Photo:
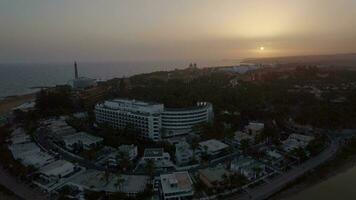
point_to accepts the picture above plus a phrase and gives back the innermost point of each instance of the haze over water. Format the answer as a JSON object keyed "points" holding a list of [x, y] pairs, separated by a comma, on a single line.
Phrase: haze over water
{"points": [[18, 78]]}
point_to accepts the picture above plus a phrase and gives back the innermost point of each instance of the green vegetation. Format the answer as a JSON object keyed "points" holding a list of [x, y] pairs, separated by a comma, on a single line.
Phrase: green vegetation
{"points": [[267, 99], [54, 102]]}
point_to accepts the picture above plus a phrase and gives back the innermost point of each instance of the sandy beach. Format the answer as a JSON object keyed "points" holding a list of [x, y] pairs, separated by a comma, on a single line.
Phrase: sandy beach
{"points": [[10, 102], [315, 177]]}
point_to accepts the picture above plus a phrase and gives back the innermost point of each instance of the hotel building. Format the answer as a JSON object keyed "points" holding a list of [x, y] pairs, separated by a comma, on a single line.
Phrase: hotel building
{"points": [[152, 120]]}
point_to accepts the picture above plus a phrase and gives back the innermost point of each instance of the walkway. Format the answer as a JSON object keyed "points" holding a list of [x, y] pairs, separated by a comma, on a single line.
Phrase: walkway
{"points": [[275, 185], [20, 189]]}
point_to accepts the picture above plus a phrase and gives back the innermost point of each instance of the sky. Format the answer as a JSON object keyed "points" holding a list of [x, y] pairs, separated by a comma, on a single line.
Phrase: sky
{"points": [[156, 30]]}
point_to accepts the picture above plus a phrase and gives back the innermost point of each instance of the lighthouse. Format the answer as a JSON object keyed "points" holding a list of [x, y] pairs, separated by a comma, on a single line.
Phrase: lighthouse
{"points": [[75, 70]]}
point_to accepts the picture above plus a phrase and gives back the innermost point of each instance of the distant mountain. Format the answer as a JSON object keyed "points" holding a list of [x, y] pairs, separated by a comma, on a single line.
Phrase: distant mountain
{"points": [[328, 60]]}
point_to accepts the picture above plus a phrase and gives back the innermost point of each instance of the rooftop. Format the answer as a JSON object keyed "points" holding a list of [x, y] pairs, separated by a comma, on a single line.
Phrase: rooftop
{"points": [[239, 135], [57, 168], [182, 147], [19, 150], [95, 180], [153, 152], [116, 103], [213, 145], [305, 138], [83, 137], [255, 126], [214, 174], [176, 182], [199, 105], [37, 159], [19, 136], [127, 147]]}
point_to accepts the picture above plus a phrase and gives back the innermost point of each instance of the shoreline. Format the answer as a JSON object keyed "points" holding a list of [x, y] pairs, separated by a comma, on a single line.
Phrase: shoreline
{"points": [[8, 103], [315, 177]]}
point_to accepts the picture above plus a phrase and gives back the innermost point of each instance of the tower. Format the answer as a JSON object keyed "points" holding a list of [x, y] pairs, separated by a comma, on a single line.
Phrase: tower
{"points": [[75, 70]]}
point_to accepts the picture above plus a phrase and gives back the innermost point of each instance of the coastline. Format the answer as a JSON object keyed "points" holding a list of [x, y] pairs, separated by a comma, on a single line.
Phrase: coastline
{"points": [[322, 173], [10, 102]]}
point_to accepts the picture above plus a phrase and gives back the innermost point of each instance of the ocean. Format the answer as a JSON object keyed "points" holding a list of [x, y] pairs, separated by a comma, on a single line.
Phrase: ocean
{"points": [[20, 78]]}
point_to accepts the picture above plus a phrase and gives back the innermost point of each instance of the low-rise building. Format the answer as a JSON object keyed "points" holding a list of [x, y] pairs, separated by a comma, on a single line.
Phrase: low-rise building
{"points": [[57, 170], [155, 154], [177, 185], [212, 147], [130, 150], [240, 136], [55, 174], [213, 177], [30, 155], [20, 151], [254, 128], [296, 141], [81, 140], [95, 180], [184, 153], [18, 136], [37, 160], [274, 157], [248, 167]]}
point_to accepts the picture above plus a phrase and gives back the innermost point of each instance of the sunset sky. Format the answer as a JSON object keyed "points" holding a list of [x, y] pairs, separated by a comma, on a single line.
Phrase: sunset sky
{"points": [[114, 30]]}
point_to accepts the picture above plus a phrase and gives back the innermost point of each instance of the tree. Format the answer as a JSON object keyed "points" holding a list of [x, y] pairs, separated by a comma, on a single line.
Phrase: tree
{"points": [[55, 101], [150, 167], [119, 181], [194, 145], [244, 144], [125, 161], [237, 180], [106, 176]]}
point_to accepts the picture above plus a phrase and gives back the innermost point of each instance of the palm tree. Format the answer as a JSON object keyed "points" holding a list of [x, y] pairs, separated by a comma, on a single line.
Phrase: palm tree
{"points": [[194, 146], [150, 167], [119, 181], [106, 176]]}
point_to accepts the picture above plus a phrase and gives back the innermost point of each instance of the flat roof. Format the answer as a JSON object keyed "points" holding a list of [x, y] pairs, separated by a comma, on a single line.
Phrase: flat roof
{"points": [[56, 168], [255, 126], [19, 136], [94, 180], [214, 174], [37, 159], [239, 135], [176, 182], [213, 145], [306, 138], [83, 137], [25, 148], [200, 105], [153, 152], [127, 147], [129, 102]]}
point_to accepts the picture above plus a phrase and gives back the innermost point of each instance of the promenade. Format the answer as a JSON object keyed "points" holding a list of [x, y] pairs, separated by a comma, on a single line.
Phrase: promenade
{"points": [[278, 183]]}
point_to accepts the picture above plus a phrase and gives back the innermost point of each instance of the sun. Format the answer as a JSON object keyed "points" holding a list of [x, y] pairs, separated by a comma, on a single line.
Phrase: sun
{"points": [[262, 48]]}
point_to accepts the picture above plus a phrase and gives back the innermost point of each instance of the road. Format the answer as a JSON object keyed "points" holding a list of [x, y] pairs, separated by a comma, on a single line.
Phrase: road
{"points": [[278, 183], [47, 145], [19, 188]]}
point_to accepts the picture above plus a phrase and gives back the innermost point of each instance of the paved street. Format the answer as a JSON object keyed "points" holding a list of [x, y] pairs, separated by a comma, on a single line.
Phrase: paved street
{"points": [[275, 185], [20, 189]]}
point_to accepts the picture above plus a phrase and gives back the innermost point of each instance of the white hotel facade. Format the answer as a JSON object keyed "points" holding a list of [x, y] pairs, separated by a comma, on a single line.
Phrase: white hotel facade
{"points": [[152, 120]]}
